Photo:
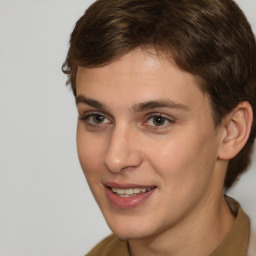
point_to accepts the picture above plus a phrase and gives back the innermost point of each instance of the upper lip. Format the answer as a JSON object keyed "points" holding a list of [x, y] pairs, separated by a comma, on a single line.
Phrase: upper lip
{"points": [[126, 185]]}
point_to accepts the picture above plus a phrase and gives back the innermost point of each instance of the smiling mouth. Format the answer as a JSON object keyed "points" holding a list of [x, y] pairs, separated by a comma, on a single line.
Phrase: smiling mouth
{"points": [[127, 196], [130, 192]]}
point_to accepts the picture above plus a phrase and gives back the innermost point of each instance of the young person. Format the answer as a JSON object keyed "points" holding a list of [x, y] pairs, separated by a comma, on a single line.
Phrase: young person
{"points": [[166, 97]]}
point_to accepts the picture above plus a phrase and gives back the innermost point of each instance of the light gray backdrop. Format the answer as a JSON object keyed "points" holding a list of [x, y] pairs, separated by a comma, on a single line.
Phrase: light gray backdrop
{"points": [[45, 205]]}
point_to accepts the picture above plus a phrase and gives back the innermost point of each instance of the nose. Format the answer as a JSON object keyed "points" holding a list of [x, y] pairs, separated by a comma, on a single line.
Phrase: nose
{"points": [[123, 151]]}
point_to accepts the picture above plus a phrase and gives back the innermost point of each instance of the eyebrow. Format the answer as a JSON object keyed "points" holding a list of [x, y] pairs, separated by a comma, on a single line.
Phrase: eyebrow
{"points": [[140, 107], [166, 103], [90, 102]]}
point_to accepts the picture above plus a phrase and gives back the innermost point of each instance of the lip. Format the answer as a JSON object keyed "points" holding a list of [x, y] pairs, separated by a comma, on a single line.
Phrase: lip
{"points": [[127, 202], [126, 185]]}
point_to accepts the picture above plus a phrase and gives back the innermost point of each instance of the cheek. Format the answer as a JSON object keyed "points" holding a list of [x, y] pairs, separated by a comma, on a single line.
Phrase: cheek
{"points": [[185, 172], [90, 152], [184, 158]]}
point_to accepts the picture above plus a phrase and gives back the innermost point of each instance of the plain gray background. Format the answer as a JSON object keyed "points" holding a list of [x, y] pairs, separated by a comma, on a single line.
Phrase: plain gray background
{"points": [[45, 205]]}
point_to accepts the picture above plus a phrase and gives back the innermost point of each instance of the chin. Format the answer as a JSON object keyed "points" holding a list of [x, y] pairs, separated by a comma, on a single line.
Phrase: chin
{"points": [[126, 230], [130, 235]]}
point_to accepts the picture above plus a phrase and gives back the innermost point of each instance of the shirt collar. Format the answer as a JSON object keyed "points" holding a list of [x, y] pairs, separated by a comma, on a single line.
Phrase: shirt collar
{"points": [[236, 241]]}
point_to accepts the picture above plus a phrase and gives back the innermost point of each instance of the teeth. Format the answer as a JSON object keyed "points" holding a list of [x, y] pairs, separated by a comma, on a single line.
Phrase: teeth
{"points": [[136, 190], [130, 191]]}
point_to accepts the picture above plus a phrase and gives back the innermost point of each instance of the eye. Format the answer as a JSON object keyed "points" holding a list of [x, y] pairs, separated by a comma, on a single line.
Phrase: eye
{"points": [[157, 120], [95, 119], [98, 119]]}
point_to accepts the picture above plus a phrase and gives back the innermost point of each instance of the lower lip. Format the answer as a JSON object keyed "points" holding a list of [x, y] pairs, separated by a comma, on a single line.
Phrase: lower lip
{"points": [[127, 202]]}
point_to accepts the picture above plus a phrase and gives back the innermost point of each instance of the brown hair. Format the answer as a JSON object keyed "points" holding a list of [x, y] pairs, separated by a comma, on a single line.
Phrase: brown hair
{"points": [[210, 39]]}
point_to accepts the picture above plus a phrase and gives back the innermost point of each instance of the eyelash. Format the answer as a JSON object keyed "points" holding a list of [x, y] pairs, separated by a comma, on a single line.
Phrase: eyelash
{"points": [[88, 122], [86, 118], [159, 115]]}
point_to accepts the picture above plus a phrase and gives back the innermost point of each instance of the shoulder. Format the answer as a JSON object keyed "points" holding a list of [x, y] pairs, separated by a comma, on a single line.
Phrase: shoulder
{"points": [[252, 243], [110, 246], [237, 240]]}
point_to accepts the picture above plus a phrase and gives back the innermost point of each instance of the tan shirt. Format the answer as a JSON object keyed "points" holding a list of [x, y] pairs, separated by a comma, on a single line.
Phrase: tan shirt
{"points": [[235, 243]]}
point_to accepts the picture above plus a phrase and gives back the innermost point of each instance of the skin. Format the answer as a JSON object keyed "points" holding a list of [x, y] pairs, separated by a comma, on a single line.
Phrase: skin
{"points": [[119, 141]]}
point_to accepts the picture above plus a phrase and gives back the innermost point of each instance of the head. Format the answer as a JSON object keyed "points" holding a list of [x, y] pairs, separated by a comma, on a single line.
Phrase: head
{"points": [[161, 87], [210, 39]]}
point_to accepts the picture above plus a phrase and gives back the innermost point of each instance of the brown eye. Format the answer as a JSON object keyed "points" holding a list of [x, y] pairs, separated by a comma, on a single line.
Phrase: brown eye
{"points": [[95, 119], [158, 120], [98, 119]]}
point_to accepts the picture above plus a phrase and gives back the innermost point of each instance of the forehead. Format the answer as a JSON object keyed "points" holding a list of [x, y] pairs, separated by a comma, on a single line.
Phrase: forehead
{"points": [[139, 76]]}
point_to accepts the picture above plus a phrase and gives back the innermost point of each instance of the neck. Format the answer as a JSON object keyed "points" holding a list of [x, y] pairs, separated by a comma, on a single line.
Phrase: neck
{"points": [[198, 235]]}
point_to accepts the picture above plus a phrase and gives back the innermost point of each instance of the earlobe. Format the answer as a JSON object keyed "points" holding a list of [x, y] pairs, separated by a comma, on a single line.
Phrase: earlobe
{"points": [[236, 131]]}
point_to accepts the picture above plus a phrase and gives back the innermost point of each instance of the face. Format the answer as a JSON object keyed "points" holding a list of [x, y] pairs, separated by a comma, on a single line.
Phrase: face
{"points": [[146, 143]]}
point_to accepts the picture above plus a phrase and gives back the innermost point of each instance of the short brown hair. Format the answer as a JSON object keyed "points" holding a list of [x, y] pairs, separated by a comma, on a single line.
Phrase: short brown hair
{"points": [[210, 39]]}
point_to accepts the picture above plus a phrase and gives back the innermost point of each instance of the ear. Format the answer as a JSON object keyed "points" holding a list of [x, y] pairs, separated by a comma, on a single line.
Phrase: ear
{"points": [[236, 130]]}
